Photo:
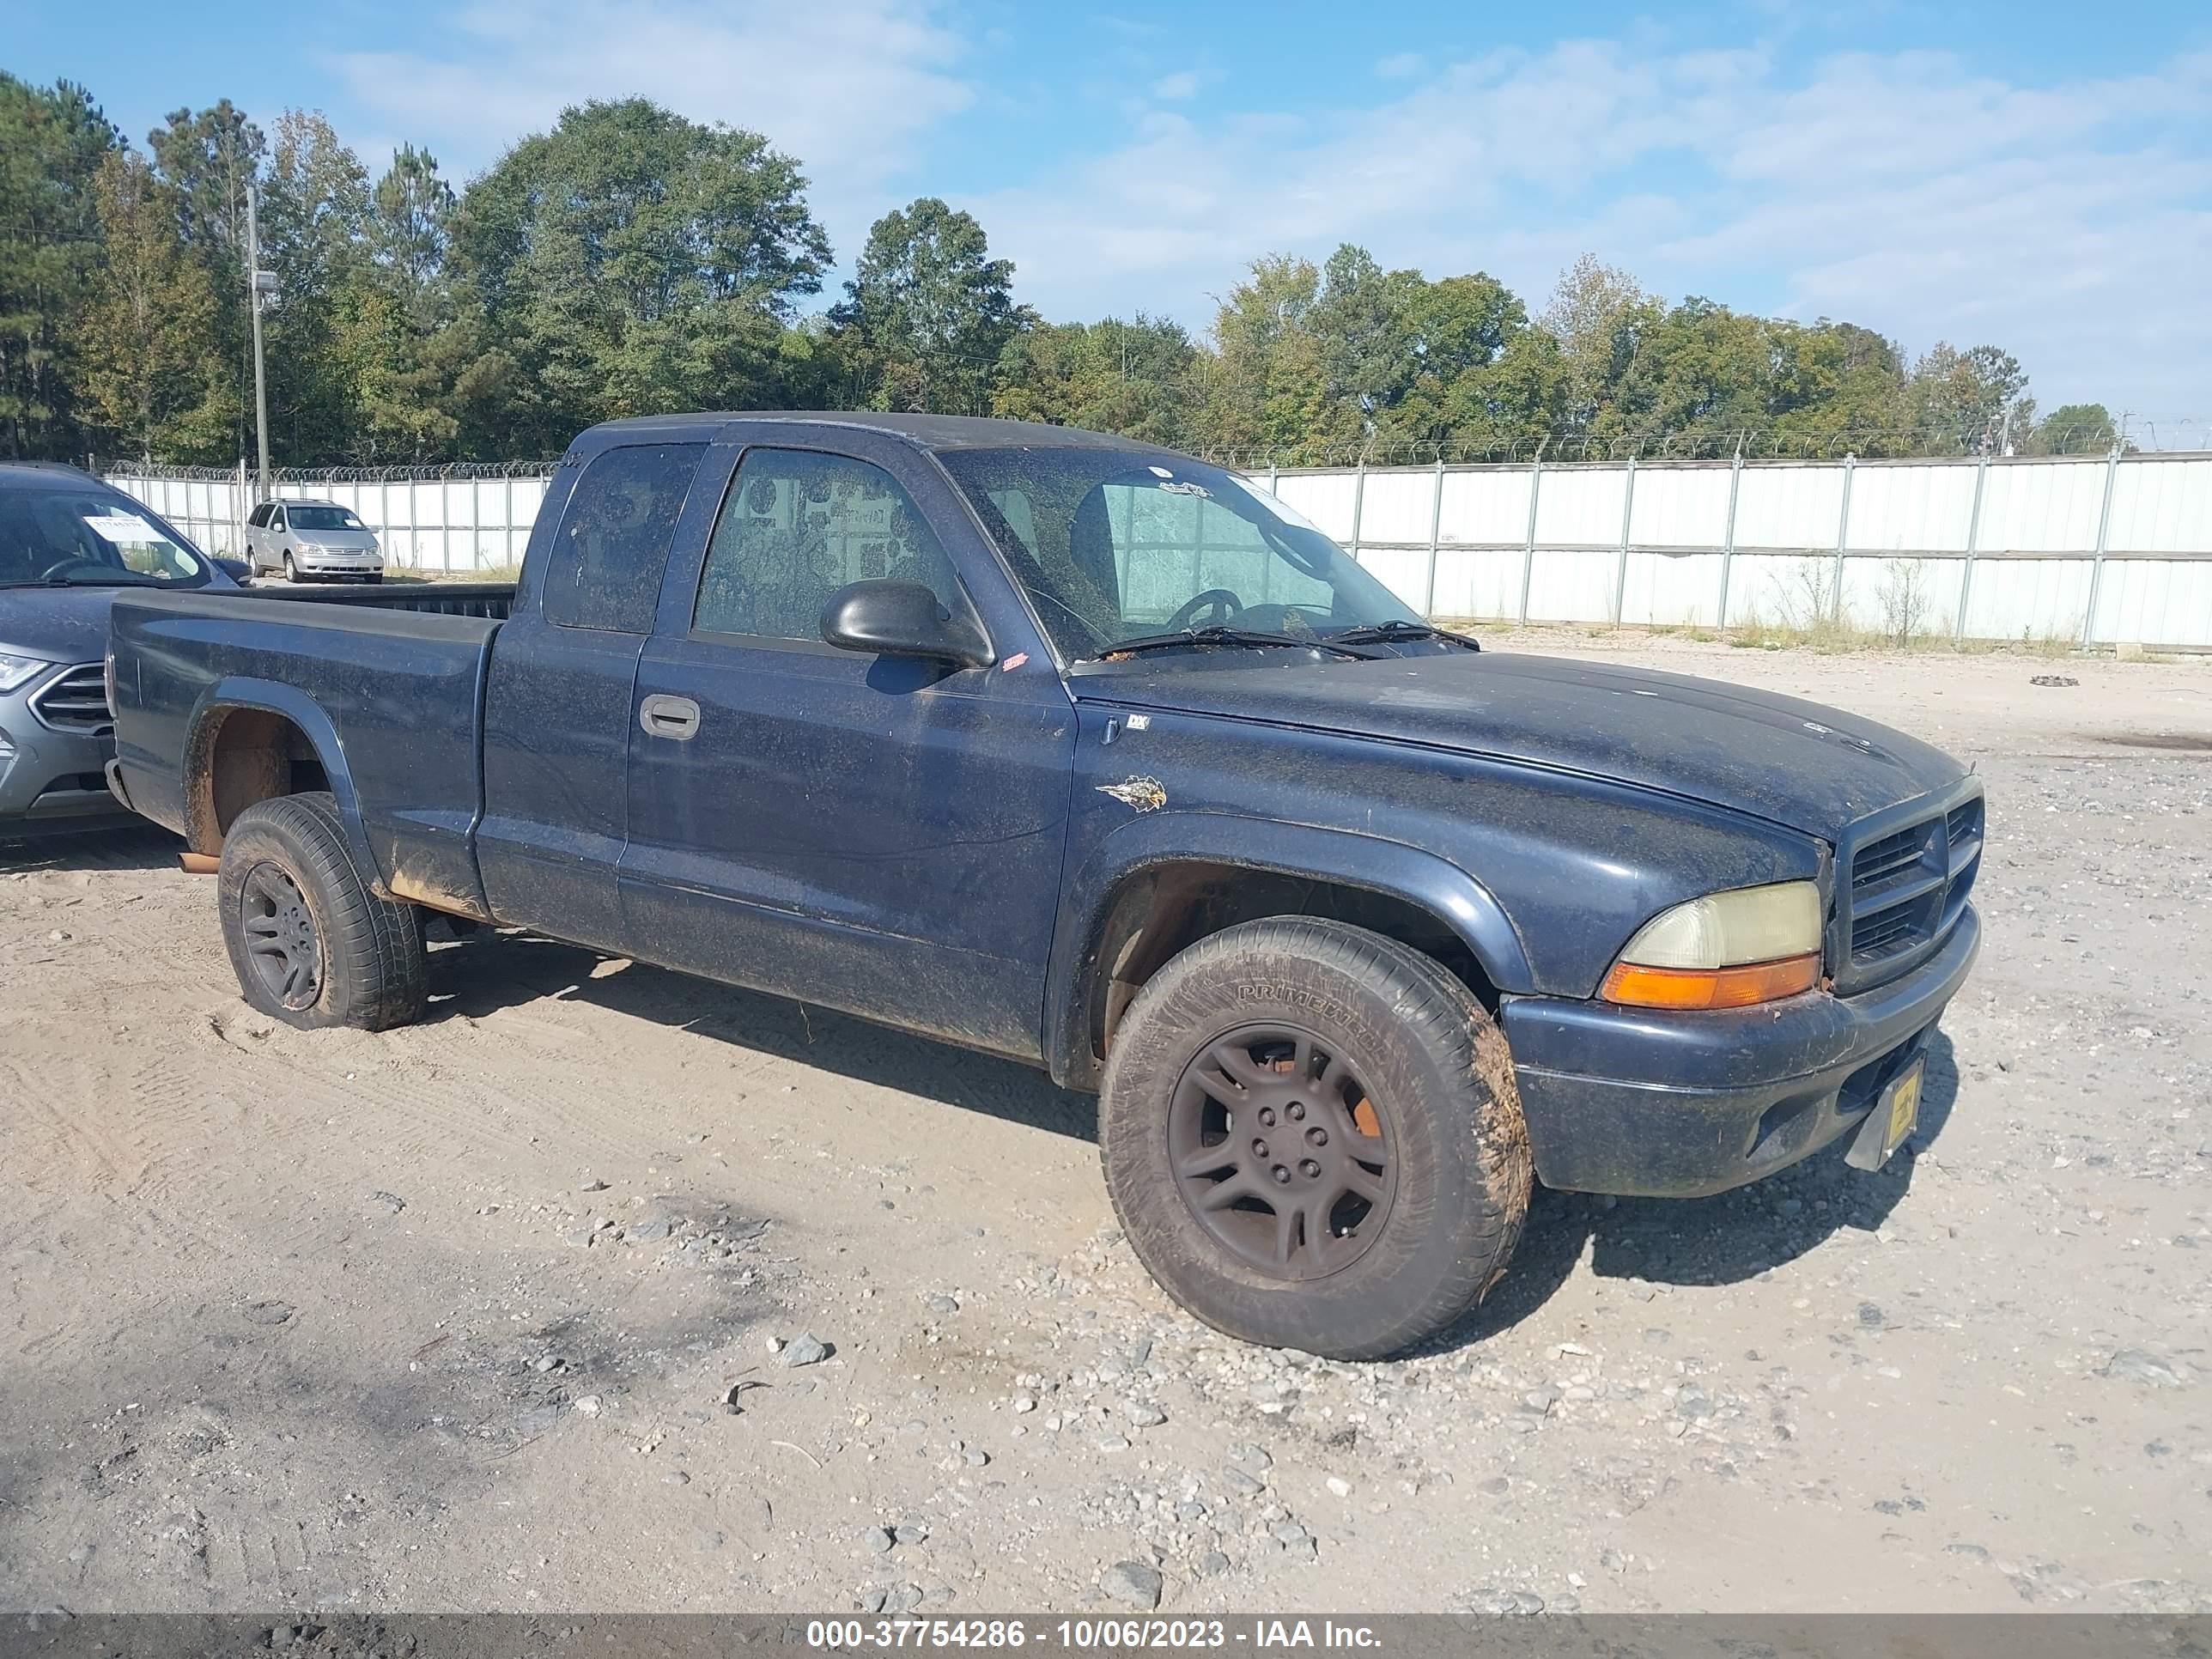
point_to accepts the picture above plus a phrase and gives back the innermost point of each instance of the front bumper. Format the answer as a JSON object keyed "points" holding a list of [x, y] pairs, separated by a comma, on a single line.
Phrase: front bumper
{"points": [[53, 779], [339, 563], [1652, 1104]]}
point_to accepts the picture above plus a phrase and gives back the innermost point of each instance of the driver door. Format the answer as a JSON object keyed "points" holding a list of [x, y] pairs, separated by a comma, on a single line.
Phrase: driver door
{"points": [[872, 834]]}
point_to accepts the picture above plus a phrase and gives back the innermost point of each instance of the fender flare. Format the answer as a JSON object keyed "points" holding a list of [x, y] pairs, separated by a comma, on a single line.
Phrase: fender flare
{"points": [[1265, 847], [238, 691]]}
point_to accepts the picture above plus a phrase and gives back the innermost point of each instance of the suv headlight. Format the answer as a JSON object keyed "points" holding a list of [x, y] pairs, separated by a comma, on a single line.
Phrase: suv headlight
{"points": [[14, 671], [1723, 951]]}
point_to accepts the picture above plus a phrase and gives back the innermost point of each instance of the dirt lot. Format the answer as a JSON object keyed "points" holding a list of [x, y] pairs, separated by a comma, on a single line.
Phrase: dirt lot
{"points": [[451, 1317]]}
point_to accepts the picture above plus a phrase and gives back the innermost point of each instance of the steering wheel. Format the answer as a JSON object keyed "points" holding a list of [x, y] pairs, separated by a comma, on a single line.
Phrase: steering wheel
{"points": [[1222, 608], [72, 564]]}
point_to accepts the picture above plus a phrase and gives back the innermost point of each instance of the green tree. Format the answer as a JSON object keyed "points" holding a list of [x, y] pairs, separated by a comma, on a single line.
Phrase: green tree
{"points": [[1482, 378], [2075, 429], [1598, 314], [53, 141], [928, 311], [210, 161], [400, 323], [147, 338], [1970, 400], [1268, 387], [1837, 387], [1697, 370], [1136, 377], [314, 211], [1361, 326], [629, 262]]}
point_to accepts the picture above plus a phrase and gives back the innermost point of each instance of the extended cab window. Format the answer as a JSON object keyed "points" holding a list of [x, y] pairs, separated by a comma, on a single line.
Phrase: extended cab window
{"points": [[608, 557], [798, 526]]}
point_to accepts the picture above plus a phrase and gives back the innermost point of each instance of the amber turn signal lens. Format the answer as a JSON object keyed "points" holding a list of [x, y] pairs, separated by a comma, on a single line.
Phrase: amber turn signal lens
{"points": [[1711, 987]]}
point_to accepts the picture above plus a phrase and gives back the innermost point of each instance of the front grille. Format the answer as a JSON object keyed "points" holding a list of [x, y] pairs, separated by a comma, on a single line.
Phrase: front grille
{"points": [[77, 701], [1907, 887]]}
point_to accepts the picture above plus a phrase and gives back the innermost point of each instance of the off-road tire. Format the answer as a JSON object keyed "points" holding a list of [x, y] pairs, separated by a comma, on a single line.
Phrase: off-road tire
{"points": [[1443, 1078], [374, 972]]}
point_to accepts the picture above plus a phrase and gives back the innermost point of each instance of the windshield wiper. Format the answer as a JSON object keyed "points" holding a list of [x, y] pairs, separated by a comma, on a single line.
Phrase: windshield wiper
{"points": [[1223, 635], [1390, 633], [106, 579]]}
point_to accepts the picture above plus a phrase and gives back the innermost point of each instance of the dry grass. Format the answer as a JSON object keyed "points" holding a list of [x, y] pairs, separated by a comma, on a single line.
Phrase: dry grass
{"points": [[489, 572]]}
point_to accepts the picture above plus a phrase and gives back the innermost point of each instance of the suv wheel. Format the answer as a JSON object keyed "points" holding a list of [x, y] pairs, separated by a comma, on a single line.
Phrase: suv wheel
{"points": [[1313, 1140], [291, 570], [311, 945]]}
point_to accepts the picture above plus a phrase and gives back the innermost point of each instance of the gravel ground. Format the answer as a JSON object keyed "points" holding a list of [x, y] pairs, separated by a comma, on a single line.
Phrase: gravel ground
{"points": [[603, 1289]]}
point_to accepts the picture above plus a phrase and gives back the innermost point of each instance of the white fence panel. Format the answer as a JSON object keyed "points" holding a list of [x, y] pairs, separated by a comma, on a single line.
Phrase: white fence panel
{"points": [[1912, 508], [2004, 548], [1788, 505], [1397, 507], [1487, 508], [2161, 505], [1679, 506], [2043, 506]]}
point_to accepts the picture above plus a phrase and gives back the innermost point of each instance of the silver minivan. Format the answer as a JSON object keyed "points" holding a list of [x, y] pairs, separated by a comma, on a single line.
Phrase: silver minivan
{"points": [[308, 541]]}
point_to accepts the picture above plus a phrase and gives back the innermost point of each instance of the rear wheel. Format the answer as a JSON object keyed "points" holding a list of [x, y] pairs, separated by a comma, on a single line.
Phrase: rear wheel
{"points": [[1313, 1140], [311, 945]]}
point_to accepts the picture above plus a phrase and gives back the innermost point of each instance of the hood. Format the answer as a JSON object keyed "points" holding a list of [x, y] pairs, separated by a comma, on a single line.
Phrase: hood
{"points": [[1800, 764], [62, 625], [69, 624]]}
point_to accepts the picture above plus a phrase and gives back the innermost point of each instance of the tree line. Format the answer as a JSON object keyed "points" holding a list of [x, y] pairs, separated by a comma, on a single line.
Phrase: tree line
{"points": [[631, 261]]}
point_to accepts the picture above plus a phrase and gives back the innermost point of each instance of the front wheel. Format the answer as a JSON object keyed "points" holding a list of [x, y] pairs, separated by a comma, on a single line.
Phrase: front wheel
{"points": [[311, 944], [1313, 1140]]}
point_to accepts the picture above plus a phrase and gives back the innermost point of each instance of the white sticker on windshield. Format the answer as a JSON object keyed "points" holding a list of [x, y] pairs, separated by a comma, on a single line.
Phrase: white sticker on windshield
{"points": [[127, 528], [1159, 472]]}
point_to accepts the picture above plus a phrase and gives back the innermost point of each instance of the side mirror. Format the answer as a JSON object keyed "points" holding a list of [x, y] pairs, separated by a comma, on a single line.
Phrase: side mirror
{"points": [[887, 618], [237, 569]]}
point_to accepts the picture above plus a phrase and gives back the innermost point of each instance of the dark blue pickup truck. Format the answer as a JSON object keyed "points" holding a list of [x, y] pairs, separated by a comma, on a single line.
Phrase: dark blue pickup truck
{"points": [[1067, 748]]}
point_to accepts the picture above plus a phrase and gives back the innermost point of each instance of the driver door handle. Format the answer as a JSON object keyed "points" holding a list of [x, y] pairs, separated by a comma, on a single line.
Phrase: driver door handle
{"points": [[662, 716]]}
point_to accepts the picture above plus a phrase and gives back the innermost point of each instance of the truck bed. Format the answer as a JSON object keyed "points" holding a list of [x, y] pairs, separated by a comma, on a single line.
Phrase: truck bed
{"points": [[391, 678], [493, 600]]}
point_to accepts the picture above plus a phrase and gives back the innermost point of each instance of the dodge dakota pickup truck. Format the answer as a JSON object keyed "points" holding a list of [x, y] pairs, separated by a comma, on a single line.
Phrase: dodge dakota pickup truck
{"points": [[1068, 748]]}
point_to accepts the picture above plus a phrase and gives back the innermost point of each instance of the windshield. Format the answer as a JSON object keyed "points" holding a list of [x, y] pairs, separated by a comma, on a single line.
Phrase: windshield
{"points": [[90, 537], [1115, 543], [320, 517]]}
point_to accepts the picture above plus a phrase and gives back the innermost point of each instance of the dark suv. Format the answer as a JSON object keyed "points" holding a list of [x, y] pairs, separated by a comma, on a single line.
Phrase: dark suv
{"points": [[67, 542]]}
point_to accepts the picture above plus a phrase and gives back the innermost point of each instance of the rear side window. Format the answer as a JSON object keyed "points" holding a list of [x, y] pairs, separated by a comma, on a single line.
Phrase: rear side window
{"points": [[608, 556]]}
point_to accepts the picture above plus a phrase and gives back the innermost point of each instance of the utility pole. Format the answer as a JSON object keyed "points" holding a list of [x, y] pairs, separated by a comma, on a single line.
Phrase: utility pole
{"points": [[258, 283]]}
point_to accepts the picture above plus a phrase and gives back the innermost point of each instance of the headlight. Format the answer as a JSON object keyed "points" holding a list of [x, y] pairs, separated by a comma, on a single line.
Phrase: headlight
{"points": [[1723, 951], [13, 671]]}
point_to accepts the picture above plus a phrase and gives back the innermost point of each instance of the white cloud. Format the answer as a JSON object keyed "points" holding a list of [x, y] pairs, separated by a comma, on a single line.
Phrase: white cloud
{"points": [[1401, 65], [848, 88], [1910, 192], [1183, 83]]}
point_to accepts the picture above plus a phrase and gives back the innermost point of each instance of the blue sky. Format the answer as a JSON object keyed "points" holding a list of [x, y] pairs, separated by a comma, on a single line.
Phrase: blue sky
{"points": [[2039, 176]]}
